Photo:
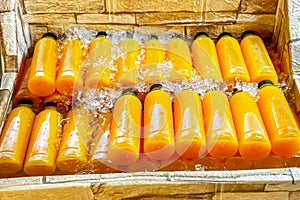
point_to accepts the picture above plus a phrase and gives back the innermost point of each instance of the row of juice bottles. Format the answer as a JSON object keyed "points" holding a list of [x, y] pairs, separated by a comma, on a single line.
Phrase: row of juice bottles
{"points": [[96, 67], [158, 128]]}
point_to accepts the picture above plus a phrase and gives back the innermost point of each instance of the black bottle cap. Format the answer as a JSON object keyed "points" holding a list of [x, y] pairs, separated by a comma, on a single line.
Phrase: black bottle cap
{"points": [[248, 32], [153, 37], [200, 34], [50, 34], [224, 34], [264, 82], [129, 34], [155, 86], [235, 90], [25, 101], [101, 33], [176, 35], [129, 91], [50, 104]]}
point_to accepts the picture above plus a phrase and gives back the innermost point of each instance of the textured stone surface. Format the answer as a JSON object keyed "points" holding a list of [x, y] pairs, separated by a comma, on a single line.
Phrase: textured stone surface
{"points": [[282, 187], [171, 5], [240, 187], [10, 63], [8, 33], [213, 31], [7, 5], [254, 195], [294, 19], [64, 6], [50, 18], [185, 18], [294, 195], [106, 18], [295, 57], [259, 6], [159, 29]]}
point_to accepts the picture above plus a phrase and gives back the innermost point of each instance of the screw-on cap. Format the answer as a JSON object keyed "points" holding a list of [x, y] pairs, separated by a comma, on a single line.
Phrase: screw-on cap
{"points": [[129, 91], [248, 32], [224, 34], [154, 37], [200, 34], [235, 90], [50, 34], [129, 34], [26, 102], [155, 87], [264, 82], [101, 33], [176, 35], [50, 104]]}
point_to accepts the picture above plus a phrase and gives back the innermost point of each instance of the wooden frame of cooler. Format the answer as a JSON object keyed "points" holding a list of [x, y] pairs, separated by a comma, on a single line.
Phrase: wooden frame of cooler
{"points": [[280, 183]]}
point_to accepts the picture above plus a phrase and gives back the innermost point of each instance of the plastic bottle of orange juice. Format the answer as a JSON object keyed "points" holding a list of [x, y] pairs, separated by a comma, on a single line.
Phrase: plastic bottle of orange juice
{"points": [[205, 59], [278, 119], [231, 59], [15, 137], [257, 58], [221, 139], [127, 66], [254, 143], [73, 154], [125, 132], [153, 57], [44, 142], [189, 125], [98, 62], [178, 52], [158, 124], [69, 66], [41, 81]]}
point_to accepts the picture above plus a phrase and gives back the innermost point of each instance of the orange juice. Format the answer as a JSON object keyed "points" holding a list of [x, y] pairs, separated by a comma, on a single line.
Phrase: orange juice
{"points": [[231, 59], [125, 132], [257, 58], [279, 120], [44, 142], [69, 66], [254, 143], [158, 125], [205, 59], [15, 137], [41, 81], [22, 91], [188, 125], [73, 155], [98, 62], [221, 139], [127, 71], [178, 52], [153, 57]]}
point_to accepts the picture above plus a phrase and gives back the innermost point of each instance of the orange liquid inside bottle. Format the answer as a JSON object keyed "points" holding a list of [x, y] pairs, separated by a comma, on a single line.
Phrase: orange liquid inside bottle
{"points": [[125, 132], [178, 52], [254, 143], [158, 125], [257, 58], [205, 59], [69, 66], [15, 137], [231, 59], [41, 81], [127, 72], [189, 125], [99, 63], [44, 142], [221, 139], [73, 155], [279, 120]]}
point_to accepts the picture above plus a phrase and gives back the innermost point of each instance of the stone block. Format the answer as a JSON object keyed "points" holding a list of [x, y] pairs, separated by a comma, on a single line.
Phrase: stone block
{"points": [[50, 18], [106, 18], [10, 63], [282, 187], [294, 195], [7, 5], [159, 30], [252, 195], [63, 6], [294, 19], [8, 35], [259, 6]]}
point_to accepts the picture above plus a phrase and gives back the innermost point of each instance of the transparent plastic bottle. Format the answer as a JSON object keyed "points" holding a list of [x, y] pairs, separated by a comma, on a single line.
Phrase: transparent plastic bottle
{"points": [[158, 124], [257, 58], [278, 119], [15, 137], [73, 153], [205, 58], [44, 142], [68, 72], [254, 143], [178, 52], [98, 63], [231, 59], [125, 132], [221, 139], [189, 125], [41, 81]]}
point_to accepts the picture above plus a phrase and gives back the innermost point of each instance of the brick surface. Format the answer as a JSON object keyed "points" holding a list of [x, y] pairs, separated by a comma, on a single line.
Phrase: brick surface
{"points": [[294, 195], [252, 195], [259, 6], [50, 18], [106, 18]]}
